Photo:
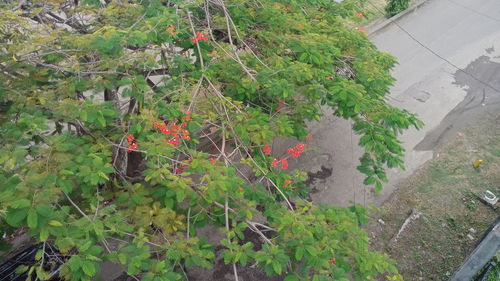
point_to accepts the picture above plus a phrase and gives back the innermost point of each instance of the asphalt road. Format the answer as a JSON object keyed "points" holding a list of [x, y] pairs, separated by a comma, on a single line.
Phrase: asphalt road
{"points": [[464, 32]]}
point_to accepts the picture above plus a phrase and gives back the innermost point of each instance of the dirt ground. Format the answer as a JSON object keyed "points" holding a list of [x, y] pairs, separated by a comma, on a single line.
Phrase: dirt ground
{"points": [[433, 246]]}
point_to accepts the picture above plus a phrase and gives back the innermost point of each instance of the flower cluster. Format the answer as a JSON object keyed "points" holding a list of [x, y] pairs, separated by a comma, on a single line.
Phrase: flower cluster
{"points": [[287, 183], [295, 152], [132, 144], [267, 149], [280, 104], [200, 36], [333, 261], [180, 169], [175, 132], [171, 29], [283, 161]]}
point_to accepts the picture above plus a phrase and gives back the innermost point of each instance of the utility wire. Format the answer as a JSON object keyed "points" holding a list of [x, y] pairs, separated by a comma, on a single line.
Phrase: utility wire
{"points": [[475, 11], [436, 54]]}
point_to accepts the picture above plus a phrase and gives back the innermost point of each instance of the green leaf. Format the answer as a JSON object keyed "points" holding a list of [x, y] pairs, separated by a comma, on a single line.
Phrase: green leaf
{"points": [[299, 252], [32, 218], [85, 246], [369, 180], [66, 185], [89, 268], [15, 217], [83, 115], [311, 250], [44, 234], [291, 277], [21, 203], [276, 267], [100, 118], [180, 195], [122, 258], [55, 223], [44, 210], [75, 262], [98, 228], [378, 187], [103, 175], [39, 254]]}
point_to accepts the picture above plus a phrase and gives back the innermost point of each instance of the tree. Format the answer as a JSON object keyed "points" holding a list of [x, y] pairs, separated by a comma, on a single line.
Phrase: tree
{"points": [[127, 125]]}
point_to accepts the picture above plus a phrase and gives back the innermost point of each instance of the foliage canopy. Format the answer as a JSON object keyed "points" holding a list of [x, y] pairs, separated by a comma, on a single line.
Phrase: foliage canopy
{"points": [[126, 126]]}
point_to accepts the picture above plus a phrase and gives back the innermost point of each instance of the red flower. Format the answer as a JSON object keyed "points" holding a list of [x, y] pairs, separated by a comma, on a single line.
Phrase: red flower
{"points": [[241, 188], [292, 153], [359, 15], [212, 160], [280, 104], [200, 36], [132, 144], [171, 29], [296, 151], [309, 138], [284, 163], [267, 149], [130, 139], [188, 116], [275, 163], [287, 183], [300, 147], [175, 131], [333, 261], [174, 141], [132, 147], [328, 77]]}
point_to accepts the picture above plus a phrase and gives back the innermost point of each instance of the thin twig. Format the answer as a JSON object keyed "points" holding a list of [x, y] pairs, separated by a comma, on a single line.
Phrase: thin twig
{"points": [[197, 43], [226, 207]]}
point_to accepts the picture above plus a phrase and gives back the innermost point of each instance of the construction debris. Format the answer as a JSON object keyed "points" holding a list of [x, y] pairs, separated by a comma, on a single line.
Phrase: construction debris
{"points": [[489, 198], [415, 214]]}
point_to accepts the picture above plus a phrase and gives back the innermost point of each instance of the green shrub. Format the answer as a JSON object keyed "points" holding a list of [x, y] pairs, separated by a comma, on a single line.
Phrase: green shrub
{"points": [[393, 7]]}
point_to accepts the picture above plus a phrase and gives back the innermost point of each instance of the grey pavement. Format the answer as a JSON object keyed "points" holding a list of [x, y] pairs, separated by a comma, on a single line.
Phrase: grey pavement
{"points": [[464, 32]]}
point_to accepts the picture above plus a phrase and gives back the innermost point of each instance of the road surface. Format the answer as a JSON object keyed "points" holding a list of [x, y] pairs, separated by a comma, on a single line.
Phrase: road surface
{"points": [[464, 32]]}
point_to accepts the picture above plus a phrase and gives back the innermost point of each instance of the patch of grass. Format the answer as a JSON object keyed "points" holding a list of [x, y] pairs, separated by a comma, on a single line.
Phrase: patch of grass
{"points": [[471, 204], [494, 274], [444, 190], [425, 188], [495, 152]]}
